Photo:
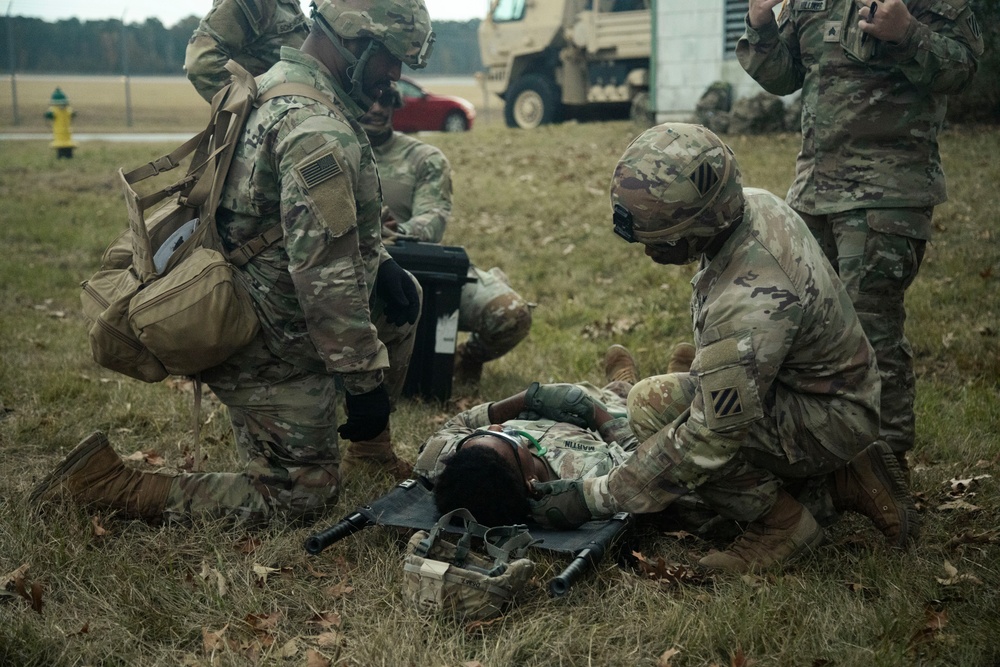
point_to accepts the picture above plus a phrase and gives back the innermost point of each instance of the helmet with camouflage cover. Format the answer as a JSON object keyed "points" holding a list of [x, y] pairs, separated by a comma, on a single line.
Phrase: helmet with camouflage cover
{"points": [[676, 181], [402, 26]]}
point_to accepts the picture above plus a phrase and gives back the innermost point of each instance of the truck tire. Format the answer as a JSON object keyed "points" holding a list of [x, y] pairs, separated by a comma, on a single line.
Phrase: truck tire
{"points": [[532, 101]]}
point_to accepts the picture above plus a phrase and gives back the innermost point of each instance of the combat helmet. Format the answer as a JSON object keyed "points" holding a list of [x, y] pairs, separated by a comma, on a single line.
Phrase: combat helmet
{"points": [[676, 181], [403, 27]]}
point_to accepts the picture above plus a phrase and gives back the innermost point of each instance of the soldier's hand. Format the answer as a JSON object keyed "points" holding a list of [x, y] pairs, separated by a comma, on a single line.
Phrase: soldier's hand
{"points": [[395, 286], [761, 12], [367, 414], [890, 23], [562, 403], [561, 504]]}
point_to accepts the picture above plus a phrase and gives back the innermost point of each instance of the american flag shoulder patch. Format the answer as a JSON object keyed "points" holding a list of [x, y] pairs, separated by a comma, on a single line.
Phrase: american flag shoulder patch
{"points": [[319, 170]]}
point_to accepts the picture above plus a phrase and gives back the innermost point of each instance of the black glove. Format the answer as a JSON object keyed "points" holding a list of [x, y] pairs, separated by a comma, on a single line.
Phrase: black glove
{"points": [[562, 403], [395, 287], [561, 506], [367, 414]]}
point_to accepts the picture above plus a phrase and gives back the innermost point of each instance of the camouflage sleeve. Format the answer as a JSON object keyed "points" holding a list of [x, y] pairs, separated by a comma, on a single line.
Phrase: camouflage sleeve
{"points": [[431, 200], [318, 163], [221, 36], [942, 46], [746, 336], [770, 54]]}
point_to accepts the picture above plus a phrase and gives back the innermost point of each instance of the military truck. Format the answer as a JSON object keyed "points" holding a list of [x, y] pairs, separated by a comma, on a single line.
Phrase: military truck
{"points": [[550, 58]]}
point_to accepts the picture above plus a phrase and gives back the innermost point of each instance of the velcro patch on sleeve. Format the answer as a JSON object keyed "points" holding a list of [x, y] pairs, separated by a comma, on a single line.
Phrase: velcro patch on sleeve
{"points": [[318, 170], [728, 385]]}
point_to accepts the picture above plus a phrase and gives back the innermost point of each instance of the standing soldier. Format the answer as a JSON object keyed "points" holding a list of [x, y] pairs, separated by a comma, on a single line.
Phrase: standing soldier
{"points": [[61, 114], [251, 32], [783, 386], [874, 83], [303, 162], [416, 190]]}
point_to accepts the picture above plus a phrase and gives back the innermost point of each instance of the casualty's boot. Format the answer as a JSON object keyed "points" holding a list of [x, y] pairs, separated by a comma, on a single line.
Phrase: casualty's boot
{"points": [[374, 455], [873, 484], [681, 358], [93, 474], [468, 367], [786, 531], [620, 366]]}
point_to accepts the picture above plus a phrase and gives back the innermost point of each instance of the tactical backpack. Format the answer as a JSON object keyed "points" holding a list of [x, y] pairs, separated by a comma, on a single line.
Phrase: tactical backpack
{"points": [[446, 577], [168, 298]]}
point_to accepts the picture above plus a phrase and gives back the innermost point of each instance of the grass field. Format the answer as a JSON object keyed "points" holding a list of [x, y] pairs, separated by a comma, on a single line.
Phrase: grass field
{"points": [[109, 592]]}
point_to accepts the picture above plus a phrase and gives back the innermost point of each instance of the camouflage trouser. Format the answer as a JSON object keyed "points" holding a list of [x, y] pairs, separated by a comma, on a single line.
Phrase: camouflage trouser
{"points": [[877, 266], [743, 487], [285, 422], [496, 315]]}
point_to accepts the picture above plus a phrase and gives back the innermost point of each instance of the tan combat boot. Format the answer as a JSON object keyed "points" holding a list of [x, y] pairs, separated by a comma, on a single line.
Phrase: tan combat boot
{"points": [[467, 369], [93, 474], [681, 358], [620, 366], [787, 531], [375, 455], [873, 484]]}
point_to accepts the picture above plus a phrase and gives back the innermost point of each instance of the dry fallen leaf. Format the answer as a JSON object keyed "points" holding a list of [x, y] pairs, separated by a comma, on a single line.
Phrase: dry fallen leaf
{"points": [[952, 577], [338, 590], [934, 622], [316, 659], [667, 574], [263, 622], [329, 639], [263, 573], [959, 505], [290, 648], [247, 545], [99, 530], [666, 657], [739, 659], [213, 641], [326, 619]]}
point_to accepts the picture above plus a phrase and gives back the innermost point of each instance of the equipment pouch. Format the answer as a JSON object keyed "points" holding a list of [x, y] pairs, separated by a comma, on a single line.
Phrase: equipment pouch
{"points": [[196, 316], [441, 576], [858, 46]]}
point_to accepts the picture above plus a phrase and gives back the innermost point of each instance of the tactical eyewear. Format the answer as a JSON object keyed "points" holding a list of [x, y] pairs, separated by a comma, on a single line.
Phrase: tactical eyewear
{"points": [[511, 437]]}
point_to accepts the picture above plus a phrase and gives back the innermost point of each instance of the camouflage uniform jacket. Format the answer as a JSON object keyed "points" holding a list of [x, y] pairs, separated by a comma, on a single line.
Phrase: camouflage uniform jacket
{"points": [[781, 356], [311, 169], [416, 186], [869, 130], [251, 32], [571, 452]]}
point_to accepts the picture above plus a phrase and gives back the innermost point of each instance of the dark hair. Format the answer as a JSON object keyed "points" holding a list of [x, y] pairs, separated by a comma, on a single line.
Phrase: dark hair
{"points": [[480, 480]]}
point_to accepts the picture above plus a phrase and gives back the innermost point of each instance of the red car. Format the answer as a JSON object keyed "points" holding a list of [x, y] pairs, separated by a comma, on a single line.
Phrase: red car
{"points": [[426, 111]]}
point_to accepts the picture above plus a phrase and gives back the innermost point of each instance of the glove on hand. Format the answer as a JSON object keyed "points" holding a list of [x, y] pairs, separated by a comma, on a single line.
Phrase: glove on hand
{"points": [[367, 414], [562, 403], [395, 286], [562, 506]]}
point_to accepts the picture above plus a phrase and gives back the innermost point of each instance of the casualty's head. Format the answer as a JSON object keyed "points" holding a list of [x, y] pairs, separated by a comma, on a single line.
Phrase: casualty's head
{"points": [[377, 122], [374, 38], [675, 189], [490, 474]]}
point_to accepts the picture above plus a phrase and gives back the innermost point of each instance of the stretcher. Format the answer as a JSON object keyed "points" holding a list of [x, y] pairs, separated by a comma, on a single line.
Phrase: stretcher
{"points": [[411, 505]]}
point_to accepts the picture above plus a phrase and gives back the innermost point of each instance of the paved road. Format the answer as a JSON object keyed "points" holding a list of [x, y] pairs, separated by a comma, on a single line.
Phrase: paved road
{"points": [[117, 137]]}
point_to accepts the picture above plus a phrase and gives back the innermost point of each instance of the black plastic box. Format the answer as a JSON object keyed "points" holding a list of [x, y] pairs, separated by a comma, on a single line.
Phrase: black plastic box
{"points": [[441, 272]]}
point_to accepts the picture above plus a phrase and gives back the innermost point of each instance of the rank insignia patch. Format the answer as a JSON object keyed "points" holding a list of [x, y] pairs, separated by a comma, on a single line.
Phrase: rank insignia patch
{"points": [[726, 402], [321, 169]]}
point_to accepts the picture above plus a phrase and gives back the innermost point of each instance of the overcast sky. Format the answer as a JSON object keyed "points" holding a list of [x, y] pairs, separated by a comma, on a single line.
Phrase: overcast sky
{"points": [[171, 11]]}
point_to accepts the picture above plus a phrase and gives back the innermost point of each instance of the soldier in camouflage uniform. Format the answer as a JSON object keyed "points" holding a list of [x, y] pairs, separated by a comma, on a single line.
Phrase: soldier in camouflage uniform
{"points": [[416, 190], [783, 386], [544, 449], [251, 32], [323, 295], [874, 93]]}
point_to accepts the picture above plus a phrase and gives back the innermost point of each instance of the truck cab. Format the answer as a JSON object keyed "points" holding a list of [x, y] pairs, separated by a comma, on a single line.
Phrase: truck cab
{"points": [[548, 58]]}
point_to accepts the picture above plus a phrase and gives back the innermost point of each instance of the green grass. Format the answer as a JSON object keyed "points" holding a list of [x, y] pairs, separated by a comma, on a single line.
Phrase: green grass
{"points": [[534, 203]]}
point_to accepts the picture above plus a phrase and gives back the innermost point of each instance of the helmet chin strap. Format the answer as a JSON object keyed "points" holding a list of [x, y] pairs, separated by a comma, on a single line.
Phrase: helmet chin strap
{"points": [[355, 64]]}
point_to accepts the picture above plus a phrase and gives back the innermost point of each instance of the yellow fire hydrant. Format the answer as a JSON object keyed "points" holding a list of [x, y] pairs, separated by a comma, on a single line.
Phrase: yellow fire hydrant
{"points": [[61, 113]]}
